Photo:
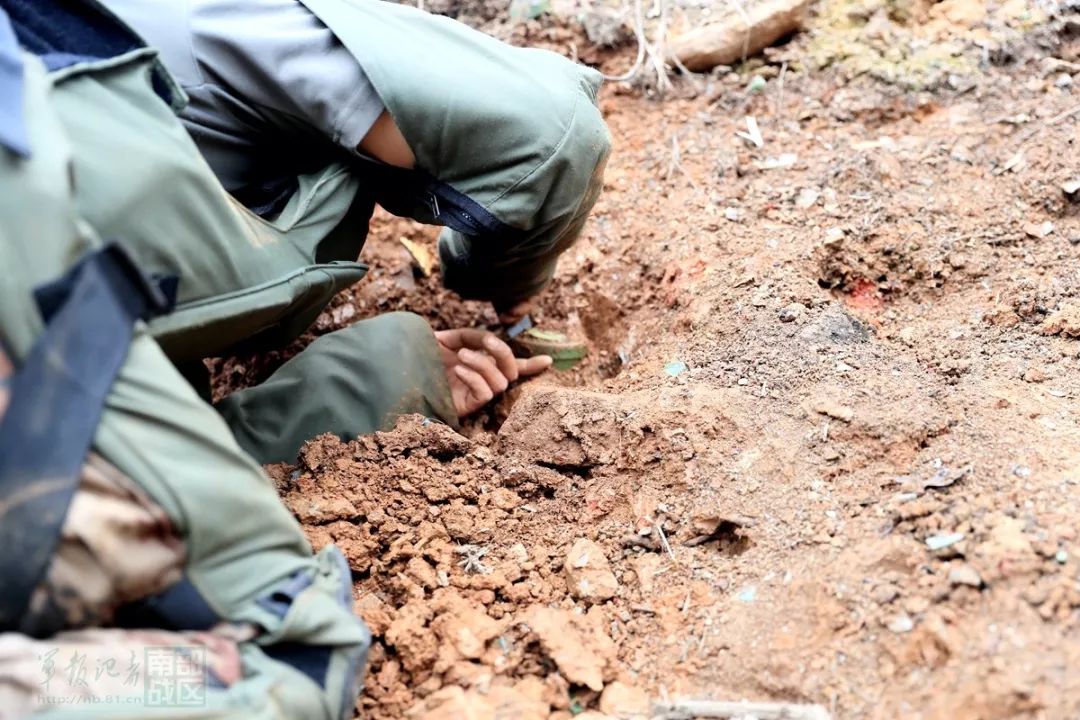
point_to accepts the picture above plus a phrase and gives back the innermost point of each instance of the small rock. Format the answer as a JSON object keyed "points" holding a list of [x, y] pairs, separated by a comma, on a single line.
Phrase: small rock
{"points": [[784, 162], [828, 406], [452, 702], [421, 571], [732, 214], [748, 594], [579, 645], [505, 499], [900, 624], [1039, 230], [756, 84], [675, 368], [588, 573], [964, 574], [1063, 80], [623, 700], [605, 27], [521, 702], [792, 312], [519, 553], [807, 198], [885, 594], [1061, 557], [1071, 189], [1065, 321], [1035, 375], [940, 542], [830, 202], [916, 605]]}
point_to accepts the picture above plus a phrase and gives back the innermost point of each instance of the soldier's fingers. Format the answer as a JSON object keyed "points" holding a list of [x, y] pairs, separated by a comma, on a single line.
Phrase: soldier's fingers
{"points": [[485, 365], [533, 365], [504, 356], [478, 387], [473, 337], [449, 338]]}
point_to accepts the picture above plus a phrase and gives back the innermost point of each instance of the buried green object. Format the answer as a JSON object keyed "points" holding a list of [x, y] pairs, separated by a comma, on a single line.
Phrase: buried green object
{"points": [[565, 353]]}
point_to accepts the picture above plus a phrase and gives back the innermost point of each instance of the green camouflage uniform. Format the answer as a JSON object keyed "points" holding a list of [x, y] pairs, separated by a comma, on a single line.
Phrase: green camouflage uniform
{"points": [[167, 494]]}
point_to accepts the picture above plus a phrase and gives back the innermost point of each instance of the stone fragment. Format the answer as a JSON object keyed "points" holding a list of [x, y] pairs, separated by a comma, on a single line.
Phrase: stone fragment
{"points": [[578, 644], [588, 573], [624, 701], [964, 574], [900, 624], [452, 703], [830, 407], [792, 312], [513, 703]]}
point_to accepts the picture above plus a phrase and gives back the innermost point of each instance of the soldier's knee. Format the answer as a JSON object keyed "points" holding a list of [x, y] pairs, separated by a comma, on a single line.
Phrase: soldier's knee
{"points": [[590, 147], [574, 171], [408, 328]]}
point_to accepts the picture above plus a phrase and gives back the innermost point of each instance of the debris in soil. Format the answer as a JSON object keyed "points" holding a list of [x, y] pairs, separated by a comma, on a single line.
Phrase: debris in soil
{"points": [[742, 35], [423, 259], [1065, 322], [675, 368], [940, 542], [689, 709]]}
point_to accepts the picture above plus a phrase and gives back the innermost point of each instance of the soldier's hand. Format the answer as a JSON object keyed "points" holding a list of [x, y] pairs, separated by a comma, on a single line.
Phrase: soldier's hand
{"points": [[479, 366]]}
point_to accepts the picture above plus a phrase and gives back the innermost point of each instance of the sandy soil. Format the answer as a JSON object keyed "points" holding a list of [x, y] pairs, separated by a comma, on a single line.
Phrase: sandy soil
{"points": [[826, 446]]}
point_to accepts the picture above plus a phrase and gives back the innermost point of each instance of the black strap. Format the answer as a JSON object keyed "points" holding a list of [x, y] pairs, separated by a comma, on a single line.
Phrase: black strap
{"points": [[179, 607], [57, 397]]}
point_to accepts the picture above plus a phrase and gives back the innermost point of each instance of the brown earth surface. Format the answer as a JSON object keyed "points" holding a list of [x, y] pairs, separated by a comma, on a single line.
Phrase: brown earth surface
{"points": [[825, 447]]}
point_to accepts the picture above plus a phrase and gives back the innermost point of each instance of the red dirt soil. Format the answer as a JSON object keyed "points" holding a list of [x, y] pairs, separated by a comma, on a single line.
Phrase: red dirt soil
{"points": [[862, 490]]}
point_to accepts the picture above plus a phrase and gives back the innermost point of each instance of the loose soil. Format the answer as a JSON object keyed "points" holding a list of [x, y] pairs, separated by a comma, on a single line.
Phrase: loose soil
{"points": [[825, 447]]}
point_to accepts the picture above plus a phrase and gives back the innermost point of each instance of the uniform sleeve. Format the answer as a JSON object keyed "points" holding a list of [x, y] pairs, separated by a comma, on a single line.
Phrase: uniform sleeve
{"points": [[280, 58]]}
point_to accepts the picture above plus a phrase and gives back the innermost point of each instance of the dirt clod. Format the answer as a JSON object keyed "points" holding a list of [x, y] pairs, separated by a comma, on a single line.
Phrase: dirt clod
{"points": [[588, 573], [624, 701]]}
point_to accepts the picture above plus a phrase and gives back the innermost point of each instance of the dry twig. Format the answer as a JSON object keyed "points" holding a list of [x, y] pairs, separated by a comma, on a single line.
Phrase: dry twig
{"points": [[686, 709], [652, 54]]}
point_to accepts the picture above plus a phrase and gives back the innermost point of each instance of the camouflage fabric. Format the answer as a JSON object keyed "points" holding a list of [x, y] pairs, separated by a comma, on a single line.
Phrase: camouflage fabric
{"points": [[101, 667], [117, 546], [166, 490]]}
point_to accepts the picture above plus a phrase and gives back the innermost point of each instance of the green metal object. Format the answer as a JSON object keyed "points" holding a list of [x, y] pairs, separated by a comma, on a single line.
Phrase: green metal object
{"points": [[565, 352]]}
